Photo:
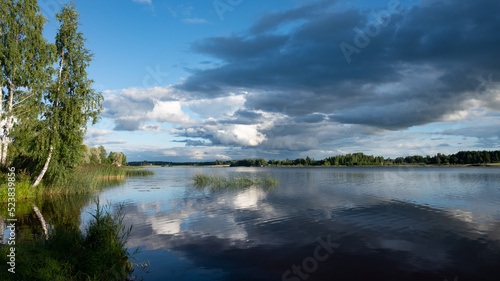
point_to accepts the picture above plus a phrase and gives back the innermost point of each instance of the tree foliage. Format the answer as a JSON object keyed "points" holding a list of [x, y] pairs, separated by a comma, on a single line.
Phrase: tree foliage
{"points": [[117, 157], [98, 155], [25, 59], [70, 101], [47, 99]]}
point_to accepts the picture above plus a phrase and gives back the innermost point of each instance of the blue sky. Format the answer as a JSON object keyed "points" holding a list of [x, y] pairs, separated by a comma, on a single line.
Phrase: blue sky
{"points": [[232, 79]]}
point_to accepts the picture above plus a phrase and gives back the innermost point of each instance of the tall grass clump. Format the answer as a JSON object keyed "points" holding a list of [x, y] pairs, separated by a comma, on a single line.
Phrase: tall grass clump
{"points": [[98, 253], [105, 241], [233, 182], [138, 173], [84, 179]]}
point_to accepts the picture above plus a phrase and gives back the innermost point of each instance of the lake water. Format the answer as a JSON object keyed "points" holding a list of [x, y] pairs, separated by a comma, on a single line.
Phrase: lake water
{"points": [[407, 223]]}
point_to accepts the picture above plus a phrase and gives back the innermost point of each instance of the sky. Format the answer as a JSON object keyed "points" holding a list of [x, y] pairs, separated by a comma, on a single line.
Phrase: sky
{"points": [[232, 79]]}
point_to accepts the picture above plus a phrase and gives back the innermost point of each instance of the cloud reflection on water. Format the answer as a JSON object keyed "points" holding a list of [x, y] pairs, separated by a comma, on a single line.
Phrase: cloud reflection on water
{"points": [[414, 222]]}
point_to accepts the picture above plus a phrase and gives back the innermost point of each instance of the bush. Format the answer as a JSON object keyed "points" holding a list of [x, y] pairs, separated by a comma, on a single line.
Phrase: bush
{"points": [[97, 254]]}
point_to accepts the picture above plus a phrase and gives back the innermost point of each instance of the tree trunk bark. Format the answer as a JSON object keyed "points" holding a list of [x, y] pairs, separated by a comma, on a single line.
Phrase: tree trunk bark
{"points": [[1, 104], [1, 117], [45, 167], [8, 120]]}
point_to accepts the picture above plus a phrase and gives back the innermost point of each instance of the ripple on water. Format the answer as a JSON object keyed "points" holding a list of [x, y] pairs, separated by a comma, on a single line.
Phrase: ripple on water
{"points": [[397, 223]]}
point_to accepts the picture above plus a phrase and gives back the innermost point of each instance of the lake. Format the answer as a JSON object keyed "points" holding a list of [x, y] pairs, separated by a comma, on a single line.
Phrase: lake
{"points": [[364, 223]]}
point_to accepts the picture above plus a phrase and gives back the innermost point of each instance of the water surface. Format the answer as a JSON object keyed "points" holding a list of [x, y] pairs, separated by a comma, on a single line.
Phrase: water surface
{"points": [[408, 223]]}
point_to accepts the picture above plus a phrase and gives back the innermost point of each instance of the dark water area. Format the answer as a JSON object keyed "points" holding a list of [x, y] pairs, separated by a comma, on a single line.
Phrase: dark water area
{"points": [[406, 223]]}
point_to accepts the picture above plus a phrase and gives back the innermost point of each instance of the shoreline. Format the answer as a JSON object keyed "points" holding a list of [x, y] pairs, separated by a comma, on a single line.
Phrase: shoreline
{"points": [[497, 165], [84, 179]]}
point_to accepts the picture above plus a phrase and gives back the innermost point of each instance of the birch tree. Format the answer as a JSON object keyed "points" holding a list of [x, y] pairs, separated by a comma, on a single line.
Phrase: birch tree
{"points": [[70, 101], [24, 61], [3, 8]]}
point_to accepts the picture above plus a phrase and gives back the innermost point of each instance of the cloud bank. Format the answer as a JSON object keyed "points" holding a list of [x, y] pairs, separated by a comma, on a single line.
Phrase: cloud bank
{"points": [[320, 75]]}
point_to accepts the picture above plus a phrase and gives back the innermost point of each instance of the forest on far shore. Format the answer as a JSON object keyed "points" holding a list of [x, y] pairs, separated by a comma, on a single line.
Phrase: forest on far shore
{"points": [[350, 160]]}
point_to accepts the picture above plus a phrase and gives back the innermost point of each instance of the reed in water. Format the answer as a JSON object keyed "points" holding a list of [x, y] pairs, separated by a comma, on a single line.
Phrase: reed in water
{"points": [[241, 181]]}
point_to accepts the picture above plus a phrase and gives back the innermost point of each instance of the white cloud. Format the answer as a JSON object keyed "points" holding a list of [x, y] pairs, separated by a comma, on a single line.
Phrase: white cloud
{"points": [[225, 134], [95, 137], [151, 128], [103, 142], [217, 107], [131, 108], [155, 93], [459, 115], [94, 132], [197, 153], [168, 111], [244, 135]]}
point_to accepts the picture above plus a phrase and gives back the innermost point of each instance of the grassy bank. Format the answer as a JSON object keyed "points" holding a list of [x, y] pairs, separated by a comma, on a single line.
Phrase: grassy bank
{"points": [[241, 181], [84, 179], [98, 253]]}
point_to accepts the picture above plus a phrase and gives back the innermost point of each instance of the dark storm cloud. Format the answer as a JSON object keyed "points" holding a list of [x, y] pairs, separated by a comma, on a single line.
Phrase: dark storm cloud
{"points": [[311, 118], [244, 117], [312, 135], [421, 63], [229, 48], [190, 142]]}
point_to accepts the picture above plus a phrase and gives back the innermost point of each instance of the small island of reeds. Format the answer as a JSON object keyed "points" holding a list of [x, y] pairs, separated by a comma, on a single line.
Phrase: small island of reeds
{"points": [[234, 182]]}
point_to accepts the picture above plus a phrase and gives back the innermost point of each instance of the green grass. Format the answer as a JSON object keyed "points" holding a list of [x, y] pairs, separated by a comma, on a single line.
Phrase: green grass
{"points": [[23, 189], [138, 173], [98, 253], [233, 182]]}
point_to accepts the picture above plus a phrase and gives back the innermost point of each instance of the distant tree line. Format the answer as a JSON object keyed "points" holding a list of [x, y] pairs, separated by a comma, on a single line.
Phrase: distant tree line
{"points": [[173, 164], [98, 155], [354, 159], [360, 159], [250, 163], [462, 157]]}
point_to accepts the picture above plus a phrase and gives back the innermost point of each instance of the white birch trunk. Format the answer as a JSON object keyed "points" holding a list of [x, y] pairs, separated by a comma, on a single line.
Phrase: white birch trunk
{"points": [[5, 145], [1, 109], [45, 167], [1, 118]]}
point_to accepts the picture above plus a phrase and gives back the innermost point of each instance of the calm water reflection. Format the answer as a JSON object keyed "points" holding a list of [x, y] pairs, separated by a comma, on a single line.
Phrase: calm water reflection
{"points": [[382, 223]]}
